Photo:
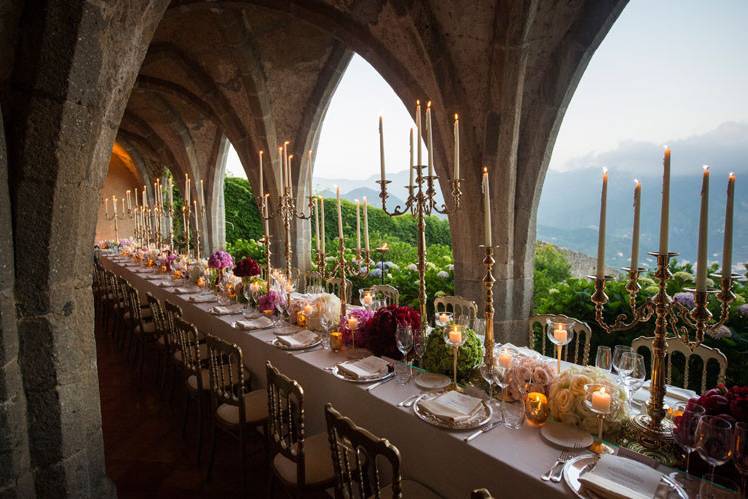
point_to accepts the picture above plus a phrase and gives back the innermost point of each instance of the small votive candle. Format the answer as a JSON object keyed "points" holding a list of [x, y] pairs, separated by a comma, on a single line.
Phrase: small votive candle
{"points": [[336, 341], [268, 312], [601, 400], [368, 299], [455, 336], [308, 309], [300, 319], [537, 409], [352, 323], [560, 334], [200, 282], [443, 318], [505, 359], [254, 287]]}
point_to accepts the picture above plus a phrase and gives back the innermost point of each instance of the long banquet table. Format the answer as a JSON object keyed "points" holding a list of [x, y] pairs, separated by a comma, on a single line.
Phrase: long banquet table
{"points": [[507, 462]]}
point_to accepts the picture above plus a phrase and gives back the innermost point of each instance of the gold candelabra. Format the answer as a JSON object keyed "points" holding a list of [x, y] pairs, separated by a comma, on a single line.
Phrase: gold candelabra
{"points": [[186, 216], [286, 210], [420, 203], [114, 217], [343, 269], [672, 319], [488, 282]]}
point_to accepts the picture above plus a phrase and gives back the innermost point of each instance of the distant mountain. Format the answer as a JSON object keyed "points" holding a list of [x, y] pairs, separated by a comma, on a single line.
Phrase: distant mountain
{"points": [[569, 207]]}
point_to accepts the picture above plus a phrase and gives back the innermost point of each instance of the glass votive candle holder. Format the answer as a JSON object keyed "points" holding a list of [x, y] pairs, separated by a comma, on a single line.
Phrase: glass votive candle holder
{"points": [[537, 409], [560, 332], [443, 319], [200, 282], [336, 341], [301, 318]]}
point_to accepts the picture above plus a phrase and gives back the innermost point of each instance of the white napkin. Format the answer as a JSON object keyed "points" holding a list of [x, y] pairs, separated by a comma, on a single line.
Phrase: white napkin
{"points": [[203, 298], [366, 368], [453, 406], [259, 323], [674, 392], [163, 284], [143, 271], [617, 477], [298, 340], [154, 277], [187, 291], [220, 310]]}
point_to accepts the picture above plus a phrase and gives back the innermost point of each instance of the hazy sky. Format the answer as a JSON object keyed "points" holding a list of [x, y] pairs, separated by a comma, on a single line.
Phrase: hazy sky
{"points": [[667, 69]]}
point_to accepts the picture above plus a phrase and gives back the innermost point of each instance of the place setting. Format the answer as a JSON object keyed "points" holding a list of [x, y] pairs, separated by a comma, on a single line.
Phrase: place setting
{"points": [[370, 369], [302, 340]]}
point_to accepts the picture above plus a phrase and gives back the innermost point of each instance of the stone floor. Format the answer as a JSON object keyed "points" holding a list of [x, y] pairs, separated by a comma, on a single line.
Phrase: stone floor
{"points": [[146, 455]]}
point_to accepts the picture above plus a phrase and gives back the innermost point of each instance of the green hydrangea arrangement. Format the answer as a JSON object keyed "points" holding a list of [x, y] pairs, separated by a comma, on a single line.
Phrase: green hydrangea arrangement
{"points": [[438, 355]]}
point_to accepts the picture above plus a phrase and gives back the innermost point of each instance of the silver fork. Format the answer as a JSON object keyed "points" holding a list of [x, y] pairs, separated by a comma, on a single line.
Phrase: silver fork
{"points": [[408, 401], [560, 459], [556, 477]]}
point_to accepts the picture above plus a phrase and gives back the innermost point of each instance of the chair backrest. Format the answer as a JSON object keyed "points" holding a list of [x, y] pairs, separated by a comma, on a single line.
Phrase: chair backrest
{"points": [[356, 456], [189, 344], [459, 306], [677, 348], [333, 285], [171, 313], [311, 278], [577, 351], [481, 494], [389, 292], [225, 364], [286, 419], [120, 289], [157, 311], [134, 304]]}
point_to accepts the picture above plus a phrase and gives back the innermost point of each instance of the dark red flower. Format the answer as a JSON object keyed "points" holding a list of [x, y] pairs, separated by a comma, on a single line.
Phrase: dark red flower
{"points": [[247, 267], [383, 326]]}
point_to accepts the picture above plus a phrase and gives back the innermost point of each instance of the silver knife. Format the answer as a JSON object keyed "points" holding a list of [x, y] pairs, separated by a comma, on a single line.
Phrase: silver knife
{"points": [[485, 429], [371, 387]]}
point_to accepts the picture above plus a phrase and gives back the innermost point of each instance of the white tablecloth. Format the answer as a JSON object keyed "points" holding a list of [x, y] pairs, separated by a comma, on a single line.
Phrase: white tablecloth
{"points": [[507, 462]]}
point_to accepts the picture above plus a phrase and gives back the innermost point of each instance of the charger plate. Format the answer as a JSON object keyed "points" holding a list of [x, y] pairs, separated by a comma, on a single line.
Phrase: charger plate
{"points": [[390, 373], [480, 418], [566, 436], [280, 345]]}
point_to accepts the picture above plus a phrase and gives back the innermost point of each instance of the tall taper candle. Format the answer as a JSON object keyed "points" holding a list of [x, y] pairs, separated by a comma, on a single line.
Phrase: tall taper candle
{"points": [[486, 209], [635, 231], [288, 176], [340, 213], [418, 133], [701, 263], [381, 149], [316, 221], [322, 216], [429, 135], [727, 246], [262, 185], [410, 164], [123, 206], [358, 226], [137, 192], [171, 194], [665, 210], [129, 200], [187, 192], [366, 225], [284, 166], [114, 204], [106, 206], [145, 197], [202, 194], [601, 231], [457, 147], [265, 214], [309, 174]]}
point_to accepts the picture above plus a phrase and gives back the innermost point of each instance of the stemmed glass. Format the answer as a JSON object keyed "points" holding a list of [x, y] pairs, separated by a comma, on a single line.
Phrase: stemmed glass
{"points": [[455, 337], [685, 434], [560, 332], [618, 352], [600, 401], [442, 319], [513, 414], [603, 358], [325, 323], [633, 365], [366, 298], [740, 455], [419, 344], [714, 442], [487, 373], [404, 339]]}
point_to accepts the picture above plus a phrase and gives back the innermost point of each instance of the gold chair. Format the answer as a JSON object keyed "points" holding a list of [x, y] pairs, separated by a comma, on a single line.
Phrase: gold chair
{"points": [[236, 409], [312, 278], [197, 376], [707, 355], [333, 286], [481, 494], [461, 308], [143, 329], [170, 340], [389, 292], [356, 457], [577, 351], [300, 463]]}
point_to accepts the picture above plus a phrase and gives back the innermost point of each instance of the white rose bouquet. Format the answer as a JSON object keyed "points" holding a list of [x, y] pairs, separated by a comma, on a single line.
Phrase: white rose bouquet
{"points": [[326, 306], [199, 269], [567, 395], [535, 371]]}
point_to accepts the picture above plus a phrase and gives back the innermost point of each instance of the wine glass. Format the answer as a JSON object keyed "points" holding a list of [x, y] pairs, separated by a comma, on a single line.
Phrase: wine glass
{"points": [[603, 358], [487, 373], [479, 326], [633, 365], [740, 455], [404, 339], [685, 433], [618, 352], [714, 441], [419, 344], [325, 323], [560, 333]]}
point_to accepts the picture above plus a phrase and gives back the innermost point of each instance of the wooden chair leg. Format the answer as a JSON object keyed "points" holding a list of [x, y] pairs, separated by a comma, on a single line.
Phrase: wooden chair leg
{"points": [[212, 453], [199, 426]]}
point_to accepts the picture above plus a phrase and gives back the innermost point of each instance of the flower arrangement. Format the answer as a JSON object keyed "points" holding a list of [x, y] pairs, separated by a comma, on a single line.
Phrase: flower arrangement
{"points": [[437, 356], [536, 369], [567, 399], [272, 300], [220, 260], [731, 404], [198, 270], [327, 308], [362, 333], [381, 329], [247, 267], [166, 260]]}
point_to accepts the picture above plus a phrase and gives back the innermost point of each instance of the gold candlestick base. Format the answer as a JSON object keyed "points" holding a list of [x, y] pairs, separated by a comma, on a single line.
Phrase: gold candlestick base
{"points": [[453, 385]]}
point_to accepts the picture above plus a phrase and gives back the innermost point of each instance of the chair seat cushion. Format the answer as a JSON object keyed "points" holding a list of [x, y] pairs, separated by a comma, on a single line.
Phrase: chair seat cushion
{"points": [[255, 409], [148, 328], [192, 380], [317, 459], [411, 488], [203, 349]]}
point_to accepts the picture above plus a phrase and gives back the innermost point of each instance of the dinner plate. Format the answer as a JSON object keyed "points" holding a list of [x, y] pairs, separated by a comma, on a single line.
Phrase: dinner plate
{"points": [[432, 381], [566, 436], [479, 419], [577, 466], [280, 345], [339, 375]]}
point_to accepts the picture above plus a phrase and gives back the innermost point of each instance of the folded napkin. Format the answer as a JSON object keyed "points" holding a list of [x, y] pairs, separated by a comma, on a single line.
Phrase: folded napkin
{"points": [[366, 368], [250, 324], [453, 406], [154, 277], [203, 298], [143, 271], [298, 340], [187, 291], [220, 310], [163, 284], [615, 477], [674, 392]]}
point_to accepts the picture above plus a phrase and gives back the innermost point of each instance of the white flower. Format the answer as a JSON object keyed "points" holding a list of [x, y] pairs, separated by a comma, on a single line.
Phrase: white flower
{"points": [[328, 307], [413, 267], [450, 267], [443, 274]]}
